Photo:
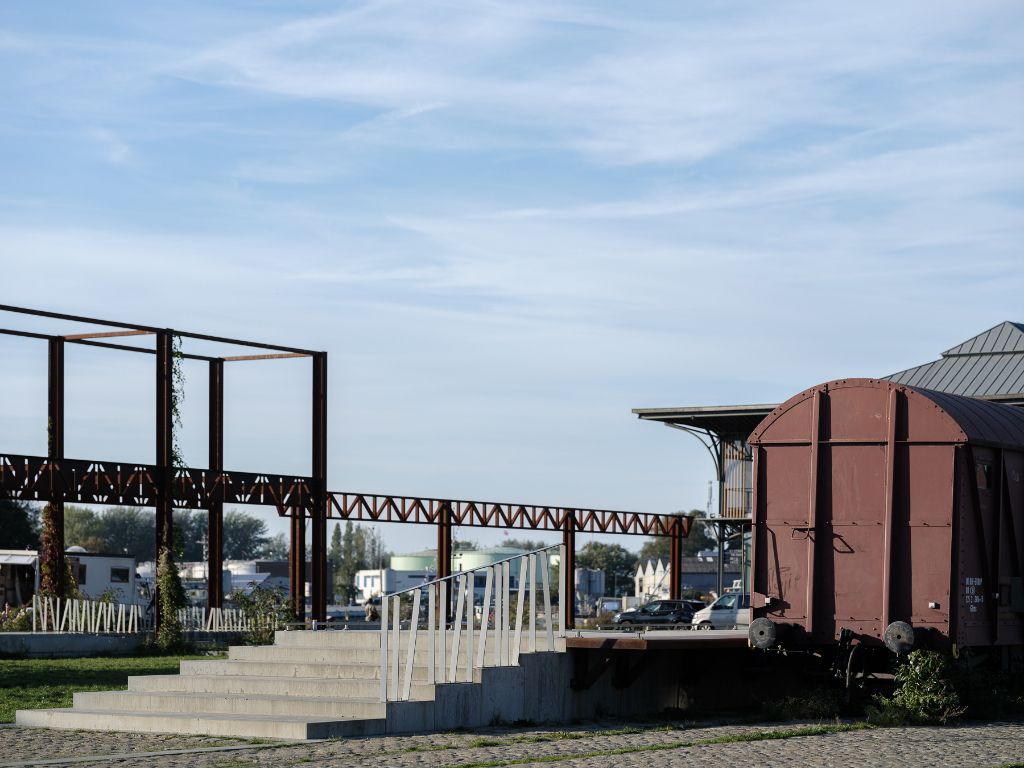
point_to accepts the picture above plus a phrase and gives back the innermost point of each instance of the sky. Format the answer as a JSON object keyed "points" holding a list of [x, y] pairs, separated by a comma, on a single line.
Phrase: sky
{"points": [[508, 224]]}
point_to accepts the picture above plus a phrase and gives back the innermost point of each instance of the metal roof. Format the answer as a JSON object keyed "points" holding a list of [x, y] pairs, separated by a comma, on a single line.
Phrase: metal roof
{"points": [[989, 365], [727, 421]]}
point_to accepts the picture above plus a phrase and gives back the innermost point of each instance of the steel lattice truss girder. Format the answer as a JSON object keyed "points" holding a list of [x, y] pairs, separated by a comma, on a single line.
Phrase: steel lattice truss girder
{"points": [[405, 509], [35, 478]]}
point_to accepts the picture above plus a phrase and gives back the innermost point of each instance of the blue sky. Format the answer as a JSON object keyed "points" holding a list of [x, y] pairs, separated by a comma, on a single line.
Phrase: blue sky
{"points": [[508, 223]]}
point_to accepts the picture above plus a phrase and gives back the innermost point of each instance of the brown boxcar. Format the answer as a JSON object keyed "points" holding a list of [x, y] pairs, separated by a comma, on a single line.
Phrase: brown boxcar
{"points": [[878, 506]]}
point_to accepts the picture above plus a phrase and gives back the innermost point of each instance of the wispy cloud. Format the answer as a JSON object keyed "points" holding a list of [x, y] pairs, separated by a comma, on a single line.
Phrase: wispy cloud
{"points": [[511, 222]]}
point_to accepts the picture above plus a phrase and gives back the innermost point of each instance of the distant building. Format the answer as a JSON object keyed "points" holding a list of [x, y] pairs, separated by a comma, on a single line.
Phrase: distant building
{"points": [[97, 575], [652, 578]]}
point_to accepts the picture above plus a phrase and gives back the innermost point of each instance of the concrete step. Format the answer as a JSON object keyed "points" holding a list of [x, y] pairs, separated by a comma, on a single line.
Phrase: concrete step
{"points": [[265, 685], [371, 639], [320, 671], [339, 656], [234, 703], [212, 724]]}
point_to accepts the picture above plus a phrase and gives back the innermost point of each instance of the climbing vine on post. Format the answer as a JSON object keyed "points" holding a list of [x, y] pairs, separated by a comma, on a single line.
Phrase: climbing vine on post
{"points": [[55, 576], [177, 398], [172, 595]]}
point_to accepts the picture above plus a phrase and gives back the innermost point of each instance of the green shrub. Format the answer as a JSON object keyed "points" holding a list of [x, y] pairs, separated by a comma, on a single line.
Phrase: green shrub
{"points": [[926, 693], [266, 610], [16, 620]]}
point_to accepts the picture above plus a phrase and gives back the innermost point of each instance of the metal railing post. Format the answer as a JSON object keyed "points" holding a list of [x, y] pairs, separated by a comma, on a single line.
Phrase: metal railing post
{"points": [[457, 636], [431, 636], [396, 625], [384, 647], [443, 635], [564, 593], [470, 584], [484, 616], [533, 603], [414, 622], [546, 584], [506, 626], [518, 635]]}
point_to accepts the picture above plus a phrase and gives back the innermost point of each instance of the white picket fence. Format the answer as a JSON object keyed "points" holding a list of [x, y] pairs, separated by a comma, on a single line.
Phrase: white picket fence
{"points": [[505, 637], [53, 614], [50, 614], [221, 620]]}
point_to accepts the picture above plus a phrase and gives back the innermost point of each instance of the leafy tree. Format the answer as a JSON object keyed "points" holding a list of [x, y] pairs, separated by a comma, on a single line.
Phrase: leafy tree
{"points": [[334, 552], [351, 562], [528, 544], [128, 530], [276, 548], [617, 562], [245, 536], [464, 545], [20, 524], [359, 543], [658, 547], [83, 528]]}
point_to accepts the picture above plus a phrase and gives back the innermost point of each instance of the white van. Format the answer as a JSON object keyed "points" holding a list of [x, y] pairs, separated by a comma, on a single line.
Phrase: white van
{"points": [[730, 610]]}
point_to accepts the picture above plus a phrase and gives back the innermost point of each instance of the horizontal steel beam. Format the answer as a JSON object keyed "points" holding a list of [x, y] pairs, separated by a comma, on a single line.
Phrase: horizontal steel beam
{"points": [[486, 514], [147, 328], [36, 478]]}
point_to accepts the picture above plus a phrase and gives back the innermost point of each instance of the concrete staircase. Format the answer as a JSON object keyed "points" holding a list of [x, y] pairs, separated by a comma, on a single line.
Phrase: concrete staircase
{"points": [[312, 685]]}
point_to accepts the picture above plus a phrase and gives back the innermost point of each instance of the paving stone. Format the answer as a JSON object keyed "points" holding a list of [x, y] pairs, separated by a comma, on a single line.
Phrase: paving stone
{"points": [[990, 744]]}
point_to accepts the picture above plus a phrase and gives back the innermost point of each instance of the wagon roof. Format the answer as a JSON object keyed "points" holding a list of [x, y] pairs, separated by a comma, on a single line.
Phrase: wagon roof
{"points": [[977, 421]]}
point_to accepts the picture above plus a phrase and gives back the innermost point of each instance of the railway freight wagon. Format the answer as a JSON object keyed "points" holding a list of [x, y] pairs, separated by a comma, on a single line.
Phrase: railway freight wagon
{"points": [[884, 513]]}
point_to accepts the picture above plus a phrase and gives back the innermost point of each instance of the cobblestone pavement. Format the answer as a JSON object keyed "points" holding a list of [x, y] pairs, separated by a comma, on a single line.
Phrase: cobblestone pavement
{"points": [[609, 745]]}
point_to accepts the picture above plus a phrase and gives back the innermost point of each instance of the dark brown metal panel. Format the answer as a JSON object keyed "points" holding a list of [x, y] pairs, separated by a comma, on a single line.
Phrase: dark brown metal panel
{"points": [[215, 520]]}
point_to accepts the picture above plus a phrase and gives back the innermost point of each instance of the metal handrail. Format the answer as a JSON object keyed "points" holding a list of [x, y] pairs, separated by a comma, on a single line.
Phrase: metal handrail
{"points": [[444, 666], [472, 570]]}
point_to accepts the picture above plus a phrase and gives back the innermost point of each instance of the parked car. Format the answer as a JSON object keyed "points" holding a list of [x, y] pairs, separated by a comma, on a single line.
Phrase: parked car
{"points": [[730, 610], [657, 612]]}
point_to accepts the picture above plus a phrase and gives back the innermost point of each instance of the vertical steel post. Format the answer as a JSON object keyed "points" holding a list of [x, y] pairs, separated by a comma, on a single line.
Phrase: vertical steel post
{"points": [[164, 446], [55, 452], [888, 529], [215, 521], [721, 516], [568, 572], [319, 512], [675, 560], [812, 507], [444, 545], [444, 540], [297, 563]]}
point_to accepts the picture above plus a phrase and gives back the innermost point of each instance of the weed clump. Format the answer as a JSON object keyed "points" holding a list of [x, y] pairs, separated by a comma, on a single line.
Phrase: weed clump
{"points": [[926, 694]]}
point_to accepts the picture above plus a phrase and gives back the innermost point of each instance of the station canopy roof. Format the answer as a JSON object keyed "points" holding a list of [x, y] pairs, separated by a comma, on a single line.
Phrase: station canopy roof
{"points": [[729, 422], [989, 366]]}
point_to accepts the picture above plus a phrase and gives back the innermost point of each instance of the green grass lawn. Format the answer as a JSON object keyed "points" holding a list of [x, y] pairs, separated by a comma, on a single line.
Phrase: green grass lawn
{"points": [[39, 683]]}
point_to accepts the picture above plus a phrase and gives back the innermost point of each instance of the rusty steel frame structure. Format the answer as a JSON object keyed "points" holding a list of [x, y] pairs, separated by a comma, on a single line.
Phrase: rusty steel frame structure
{"points": [[57, 479]]}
